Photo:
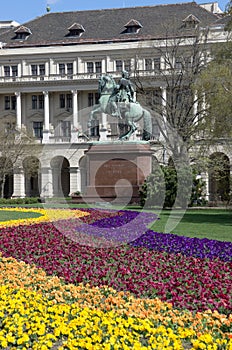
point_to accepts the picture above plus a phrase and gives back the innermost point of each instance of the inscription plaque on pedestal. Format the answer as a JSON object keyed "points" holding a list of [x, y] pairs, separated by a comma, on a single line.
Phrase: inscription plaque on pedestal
{"points": [[116, 171]]}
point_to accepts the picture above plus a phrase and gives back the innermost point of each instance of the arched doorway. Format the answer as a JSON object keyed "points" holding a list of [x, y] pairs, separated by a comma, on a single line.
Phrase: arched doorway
{"points": [[219, 177], [60, 176], [6, 178], [31, 166]]}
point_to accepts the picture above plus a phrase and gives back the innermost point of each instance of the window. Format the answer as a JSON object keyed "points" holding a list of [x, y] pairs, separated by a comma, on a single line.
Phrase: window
{"points": [[13, 102], [21, 36], [127, 65], [38, 69], [98, 67], [118, 65], [152, 64], [133, 26], [14, 71], [123, 65], [178, 63], [42, 69], [41, 101], [157, 63], [62, 100], [132, 30], [38, 129], [66, 128], [94, 129], [188, 62], [62, 69], [69, 100], [34, 69], [96, 98], [34, 102], [7, 102], [66, 69], [11, 71], [66, 101], [154, 98], [22, 33], [148, 64], [69, 68], [92, 98], [10, 102], [37, 101], [190, 22], [7, 71], [76, 29], [89, 67], [114, 128], [94, 67]]}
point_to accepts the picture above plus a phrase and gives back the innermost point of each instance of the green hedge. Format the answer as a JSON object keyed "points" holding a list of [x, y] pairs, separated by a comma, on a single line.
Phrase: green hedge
{"points": [[26, 200]]}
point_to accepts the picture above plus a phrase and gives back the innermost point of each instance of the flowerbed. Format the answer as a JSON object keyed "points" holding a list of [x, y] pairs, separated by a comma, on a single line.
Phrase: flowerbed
{"points": [[136, 294]]}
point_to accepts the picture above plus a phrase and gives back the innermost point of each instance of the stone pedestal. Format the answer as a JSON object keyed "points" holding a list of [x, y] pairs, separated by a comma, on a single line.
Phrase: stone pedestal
{"points": [[116, 171]]}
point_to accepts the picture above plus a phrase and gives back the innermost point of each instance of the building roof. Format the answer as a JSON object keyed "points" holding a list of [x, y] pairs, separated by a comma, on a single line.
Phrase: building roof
{"points": [[108, 25]]}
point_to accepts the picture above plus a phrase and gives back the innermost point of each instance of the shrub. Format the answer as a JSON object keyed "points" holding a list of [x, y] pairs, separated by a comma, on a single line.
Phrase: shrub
{"points": [[153, 189], [161, 186], [26, 200]]}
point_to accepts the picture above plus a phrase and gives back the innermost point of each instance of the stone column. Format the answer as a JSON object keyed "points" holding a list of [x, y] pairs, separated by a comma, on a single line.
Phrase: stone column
{"points": [[164, 125], [18, 111], [75, 108], [46, 182], [75, 67], [75, 122], [107, 64], [164, 103], [46, 131], [205, 178], [47, 69], [75, 180], [19, 183]]}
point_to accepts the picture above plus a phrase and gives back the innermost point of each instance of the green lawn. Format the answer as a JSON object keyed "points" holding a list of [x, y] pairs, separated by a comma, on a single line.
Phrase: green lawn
{"points": [[201, 223], [6, 215], [208, 223]]}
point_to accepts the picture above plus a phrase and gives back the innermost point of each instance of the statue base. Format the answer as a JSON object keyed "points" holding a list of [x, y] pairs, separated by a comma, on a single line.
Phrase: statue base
{"points": [[116, 172]]}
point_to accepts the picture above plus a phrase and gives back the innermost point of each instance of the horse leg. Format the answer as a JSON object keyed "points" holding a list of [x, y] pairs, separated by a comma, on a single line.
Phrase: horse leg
{"points": [[127, 135]]}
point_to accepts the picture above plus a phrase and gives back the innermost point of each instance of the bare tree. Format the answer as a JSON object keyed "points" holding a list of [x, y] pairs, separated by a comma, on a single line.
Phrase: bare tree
{"points": [[180, 110], [14, 146], [185, 109]]}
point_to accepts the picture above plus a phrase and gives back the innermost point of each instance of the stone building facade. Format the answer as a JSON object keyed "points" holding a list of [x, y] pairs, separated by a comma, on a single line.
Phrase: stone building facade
{"points": [[49, 71]]}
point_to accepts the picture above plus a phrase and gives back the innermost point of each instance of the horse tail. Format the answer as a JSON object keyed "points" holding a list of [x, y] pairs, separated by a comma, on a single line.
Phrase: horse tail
{"points": [[147, 125]]}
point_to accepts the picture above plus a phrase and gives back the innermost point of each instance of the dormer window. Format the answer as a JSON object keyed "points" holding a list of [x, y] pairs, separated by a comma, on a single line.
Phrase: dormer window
{"points": [[132, 26], [76, 29], [22, 33], [190, 22]]}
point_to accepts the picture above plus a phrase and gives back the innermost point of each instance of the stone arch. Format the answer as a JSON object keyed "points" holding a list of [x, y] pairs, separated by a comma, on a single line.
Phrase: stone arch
{"points": [[60, 176], [31, 167], [219, 177], [6, 178], [83, 173]]}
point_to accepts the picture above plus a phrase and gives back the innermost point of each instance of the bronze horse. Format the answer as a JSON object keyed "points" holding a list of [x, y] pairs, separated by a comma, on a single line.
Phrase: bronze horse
{"points": [[128, 113]]}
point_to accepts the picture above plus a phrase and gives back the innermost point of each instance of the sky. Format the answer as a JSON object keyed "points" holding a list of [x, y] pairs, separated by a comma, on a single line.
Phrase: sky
{"points": [[23, 11]]}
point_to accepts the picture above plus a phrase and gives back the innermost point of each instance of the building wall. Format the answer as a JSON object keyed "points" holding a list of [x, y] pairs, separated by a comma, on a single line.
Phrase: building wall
{"points": [[30, 97]]}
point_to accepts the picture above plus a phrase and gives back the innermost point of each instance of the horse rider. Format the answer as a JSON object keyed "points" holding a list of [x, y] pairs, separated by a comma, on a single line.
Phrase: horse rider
{"points": [[126, 90], [123, 92]]}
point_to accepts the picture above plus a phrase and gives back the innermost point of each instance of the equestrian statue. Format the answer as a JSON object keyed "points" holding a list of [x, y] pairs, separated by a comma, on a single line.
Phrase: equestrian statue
{"points": [[118, 100]]}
